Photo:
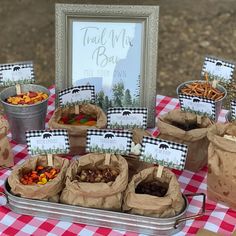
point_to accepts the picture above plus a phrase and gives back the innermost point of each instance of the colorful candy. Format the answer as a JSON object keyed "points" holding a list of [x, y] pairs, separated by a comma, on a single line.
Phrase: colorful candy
{"points": [[79, 119], [28, 98], [39, 176]]}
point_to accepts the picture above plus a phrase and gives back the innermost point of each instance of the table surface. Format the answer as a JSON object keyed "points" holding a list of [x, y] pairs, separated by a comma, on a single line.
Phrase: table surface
{"points": [[218, 218]]}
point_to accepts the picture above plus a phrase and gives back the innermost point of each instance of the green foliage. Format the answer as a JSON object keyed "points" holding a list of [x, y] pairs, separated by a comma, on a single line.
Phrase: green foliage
{"points": [[38, 151], [118, 93], [187, 109], [127, 98], [20, 81], [127, 126], [114, 150]]}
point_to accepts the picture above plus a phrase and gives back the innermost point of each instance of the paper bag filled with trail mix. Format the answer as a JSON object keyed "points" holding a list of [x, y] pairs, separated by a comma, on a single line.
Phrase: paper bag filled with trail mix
{"points": [[221, 176], [150, 195], [190, 129], [93, 182], [36, 180], [77, 123]]}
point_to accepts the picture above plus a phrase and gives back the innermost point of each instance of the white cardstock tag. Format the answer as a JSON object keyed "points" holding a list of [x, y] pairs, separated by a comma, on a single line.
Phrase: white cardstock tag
{"points": [[77, 95], [109, 141], [198, 105], [47, 142], [218, 69], [233, 109], [127, 118], [164, 153], [17, 73]]}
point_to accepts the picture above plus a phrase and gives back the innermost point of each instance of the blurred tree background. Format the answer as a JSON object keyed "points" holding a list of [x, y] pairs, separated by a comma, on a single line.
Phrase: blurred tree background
{"points": [[188, 30]]}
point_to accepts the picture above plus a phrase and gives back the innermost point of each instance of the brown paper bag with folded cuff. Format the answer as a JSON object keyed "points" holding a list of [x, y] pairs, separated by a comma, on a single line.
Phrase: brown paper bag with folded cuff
{"points": [[221, 176], [6, 156], [48, 192], [143, 204], [78, 134], [96, 195], [172, 127]]}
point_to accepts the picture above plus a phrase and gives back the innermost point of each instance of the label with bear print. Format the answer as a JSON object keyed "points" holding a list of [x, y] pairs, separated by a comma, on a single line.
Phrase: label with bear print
{"points": [[109, 141], [127, 118], [77, 95], [42, 142], [164, 153]]}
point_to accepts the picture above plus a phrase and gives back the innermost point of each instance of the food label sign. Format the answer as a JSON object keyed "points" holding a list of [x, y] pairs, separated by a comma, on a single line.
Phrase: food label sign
{"points": [[17, 73], [198, 105], [77, 95], [109, 141], [47, 142], [126, 118], [165, 153], [218, 69]]}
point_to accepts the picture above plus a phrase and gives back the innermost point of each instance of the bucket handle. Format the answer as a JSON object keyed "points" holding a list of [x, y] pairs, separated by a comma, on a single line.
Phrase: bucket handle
{"points": [[201, 213]]}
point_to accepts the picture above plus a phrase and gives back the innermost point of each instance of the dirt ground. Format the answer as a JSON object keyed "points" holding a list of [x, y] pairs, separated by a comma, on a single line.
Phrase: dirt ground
{"points": [[188, 30]]}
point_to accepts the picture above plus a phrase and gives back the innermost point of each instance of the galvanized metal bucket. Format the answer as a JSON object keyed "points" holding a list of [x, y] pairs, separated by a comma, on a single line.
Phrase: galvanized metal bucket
{"points": [[218, 104], [24, 117]]}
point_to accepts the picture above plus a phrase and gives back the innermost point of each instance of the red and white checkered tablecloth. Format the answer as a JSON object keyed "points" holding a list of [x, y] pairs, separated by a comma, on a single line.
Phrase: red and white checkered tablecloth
{"points": [[218, 218]]}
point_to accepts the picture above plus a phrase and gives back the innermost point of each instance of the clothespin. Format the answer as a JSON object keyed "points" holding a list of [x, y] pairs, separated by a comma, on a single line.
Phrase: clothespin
{"points": [[50, 159], [76, 109], [159, 171], [107, 159], [18, 89]]}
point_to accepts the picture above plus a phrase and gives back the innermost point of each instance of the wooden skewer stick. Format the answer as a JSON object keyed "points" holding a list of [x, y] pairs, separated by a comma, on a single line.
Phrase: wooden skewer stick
{"points": [[76, 109], [159, 171], [50, 159], [18, 89], [107, 159]]}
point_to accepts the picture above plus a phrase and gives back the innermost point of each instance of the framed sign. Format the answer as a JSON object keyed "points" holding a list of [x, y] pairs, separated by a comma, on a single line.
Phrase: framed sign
{"points": [[112, 47]]}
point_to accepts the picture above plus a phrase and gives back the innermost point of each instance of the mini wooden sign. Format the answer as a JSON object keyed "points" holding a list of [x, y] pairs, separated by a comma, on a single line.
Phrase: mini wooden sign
{"points": [[43, 142], [109, 141], [218, 69], [233, 109], [163, 152], [198, 105], [77, 95], [127, 118], [17, 73]]}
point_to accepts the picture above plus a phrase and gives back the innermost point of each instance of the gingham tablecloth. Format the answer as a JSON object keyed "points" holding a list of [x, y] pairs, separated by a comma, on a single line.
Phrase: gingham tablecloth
{"points": [[218, 218]]}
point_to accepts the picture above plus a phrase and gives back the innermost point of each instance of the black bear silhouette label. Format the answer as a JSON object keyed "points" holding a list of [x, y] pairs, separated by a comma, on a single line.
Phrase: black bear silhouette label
{"points": [[76, 90], [126, 113], [47, 135], [218, 63], [16, 68], [109, 135], [164, 146], [196, 99]]}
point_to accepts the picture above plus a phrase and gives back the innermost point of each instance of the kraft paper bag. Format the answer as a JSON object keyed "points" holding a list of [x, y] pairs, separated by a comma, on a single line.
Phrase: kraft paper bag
{"points": [[96, 195], [143, 204], [221, 176], [195, 139], [49, 191], [78, 134], [6, 156]]}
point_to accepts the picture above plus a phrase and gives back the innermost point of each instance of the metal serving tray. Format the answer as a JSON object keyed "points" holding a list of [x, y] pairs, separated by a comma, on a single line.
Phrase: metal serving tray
{"points": [[98, 217]]}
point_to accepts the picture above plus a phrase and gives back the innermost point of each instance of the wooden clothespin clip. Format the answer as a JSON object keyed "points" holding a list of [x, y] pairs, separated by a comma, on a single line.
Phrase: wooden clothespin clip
{"points": [[18, 89], [107, 159], [159, 171], [76, 109], [50, 159]]}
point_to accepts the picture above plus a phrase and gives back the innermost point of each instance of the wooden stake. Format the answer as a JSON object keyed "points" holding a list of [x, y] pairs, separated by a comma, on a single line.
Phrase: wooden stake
{"points": [[199, 119], [76, 109], [159, 171], [214, 83], [50, 159], [107, 159], [18, 89]]}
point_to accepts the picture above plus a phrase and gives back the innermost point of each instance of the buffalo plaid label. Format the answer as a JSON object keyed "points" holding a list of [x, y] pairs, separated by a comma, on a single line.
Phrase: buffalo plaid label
{"points": [[17, 73], [218, 69], [77, 95], [47, 142], [233, 109], [198, 105], [109, 141], [163, 152], [126, 118]]}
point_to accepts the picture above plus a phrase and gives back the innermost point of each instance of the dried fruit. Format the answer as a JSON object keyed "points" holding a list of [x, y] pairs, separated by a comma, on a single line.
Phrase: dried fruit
{"points": [[79, 119]]}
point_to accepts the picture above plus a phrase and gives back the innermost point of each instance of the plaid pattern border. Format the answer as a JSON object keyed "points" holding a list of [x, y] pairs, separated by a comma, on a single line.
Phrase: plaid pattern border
{"points": [[167, 144], [123, 111], [17, 65], [218, 60], [233, 109], [217, 218]]}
